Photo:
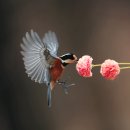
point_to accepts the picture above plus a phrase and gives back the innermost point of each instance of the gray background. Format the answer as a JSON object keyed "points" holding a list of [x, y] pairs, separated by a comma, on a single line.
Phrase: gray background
{"points": [[98, 28]]}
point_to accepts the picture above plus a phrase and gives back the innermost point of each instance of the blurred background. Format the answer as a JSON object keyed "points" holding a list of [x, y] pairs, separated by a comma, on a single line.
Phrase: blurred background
{"points": [[97, 28]]}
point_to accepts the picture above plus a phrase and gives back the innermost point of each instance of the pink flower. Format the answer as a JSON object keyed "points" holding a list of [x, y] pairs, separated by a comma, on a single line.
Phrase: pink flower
{"points": [[84, 66], [110, 69]]}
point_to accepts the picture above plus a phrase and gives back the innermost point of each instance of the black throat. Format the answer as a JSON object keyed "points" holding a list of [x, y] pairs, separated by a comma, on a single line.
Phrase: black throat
{"points": [[64, 64]]}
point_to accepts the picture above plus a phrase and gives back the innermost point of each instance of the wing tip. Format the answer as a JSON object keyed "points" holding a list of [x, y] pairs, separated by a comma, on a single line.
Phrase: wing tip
{"points": [[31, 31], [22, 53]]}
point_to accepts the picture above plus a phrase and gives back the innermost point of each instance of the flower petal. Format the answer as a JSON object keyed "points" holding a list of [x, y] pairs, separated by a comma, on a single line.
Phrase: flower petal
{"points": [[84, 66], [110, 69]]}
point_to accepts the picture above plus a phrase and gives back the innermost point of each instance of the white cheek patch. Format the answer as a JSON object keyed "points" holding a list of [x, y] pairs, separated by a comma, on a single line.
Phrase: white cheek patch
{"points": [[69, 61]]}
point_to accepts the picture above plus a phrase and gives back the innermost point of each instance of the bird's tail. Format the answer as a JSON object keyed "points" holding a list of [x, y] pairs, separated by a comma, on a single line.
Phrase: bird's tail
{"points": [[49, 96]]}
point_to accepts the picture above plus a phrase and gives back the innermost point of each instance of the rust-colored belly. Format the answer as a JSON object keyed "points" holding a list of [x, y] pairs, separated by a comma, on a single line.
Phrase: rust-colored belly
{"points": [[56, 70]]}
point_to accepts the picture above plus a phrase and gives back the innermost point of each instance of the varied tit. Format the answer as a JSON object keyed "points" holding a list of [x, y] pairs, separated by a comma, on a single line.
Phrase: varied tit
{"points": [[41, 61]]}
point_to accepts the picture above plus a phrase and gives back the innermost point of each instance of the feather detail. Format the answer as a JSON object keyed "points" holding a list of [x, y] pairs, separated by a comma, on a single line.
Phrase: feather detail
{"points": [[34, 58]]}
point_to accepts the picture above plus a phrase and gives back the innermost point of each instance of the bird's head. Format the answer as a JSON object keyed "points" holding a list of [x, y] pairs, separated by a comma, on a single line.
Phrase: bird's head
{"points": [[68, 58]]}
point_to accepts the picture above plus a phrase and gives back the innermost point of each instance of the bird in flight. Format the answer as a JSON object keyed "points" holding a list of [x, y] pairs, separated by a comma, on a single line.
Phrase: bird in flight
{"points": [[41, 61]]}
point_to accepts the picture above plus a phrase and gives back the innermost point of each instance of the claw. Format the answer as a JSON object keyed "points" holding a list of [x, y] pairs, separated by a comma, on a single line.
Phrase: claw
{"points": [[65, 87]]}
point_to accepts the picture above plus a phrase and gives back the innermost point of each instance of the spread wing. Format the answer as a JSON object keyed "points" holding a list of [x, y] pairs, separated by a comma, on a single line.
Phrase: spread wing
{"points": [[51, 42], [36, 55]]}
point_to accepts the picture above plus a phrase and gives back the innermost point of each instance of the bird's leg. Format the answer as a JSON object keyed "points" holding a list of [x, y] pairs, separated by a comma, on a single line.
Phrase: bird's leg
{"points": [[64, 85]]}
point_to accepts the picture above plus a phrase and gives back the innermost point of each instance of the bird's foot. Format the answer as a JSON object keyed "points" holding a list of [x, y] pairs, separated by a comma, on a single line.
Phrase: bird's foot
{"points": [[65, 86]]}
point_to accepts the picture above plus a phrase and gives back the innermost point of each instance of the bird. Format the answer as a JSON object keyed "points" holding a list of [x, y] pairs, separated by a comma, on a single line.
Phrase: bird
{"points": [[42, 64]]}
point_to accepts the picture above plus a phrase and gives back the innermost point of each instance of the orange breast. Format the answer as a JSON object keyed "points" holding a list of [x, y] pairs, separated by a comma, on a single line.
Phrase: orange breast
{"points": [[56, 70]]}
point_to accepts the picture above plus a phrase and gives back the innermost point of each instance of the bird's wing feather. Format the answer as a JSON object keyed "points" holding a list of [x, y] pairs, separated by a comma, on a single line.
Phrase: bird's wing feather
{"points": [[51, 42], [35, 59]]}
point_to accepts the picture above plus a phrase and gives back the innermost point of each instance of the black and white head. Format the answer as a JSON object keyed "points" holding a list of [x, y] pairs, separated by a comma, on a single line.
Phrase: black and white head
{"points": [[68, 58]]}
